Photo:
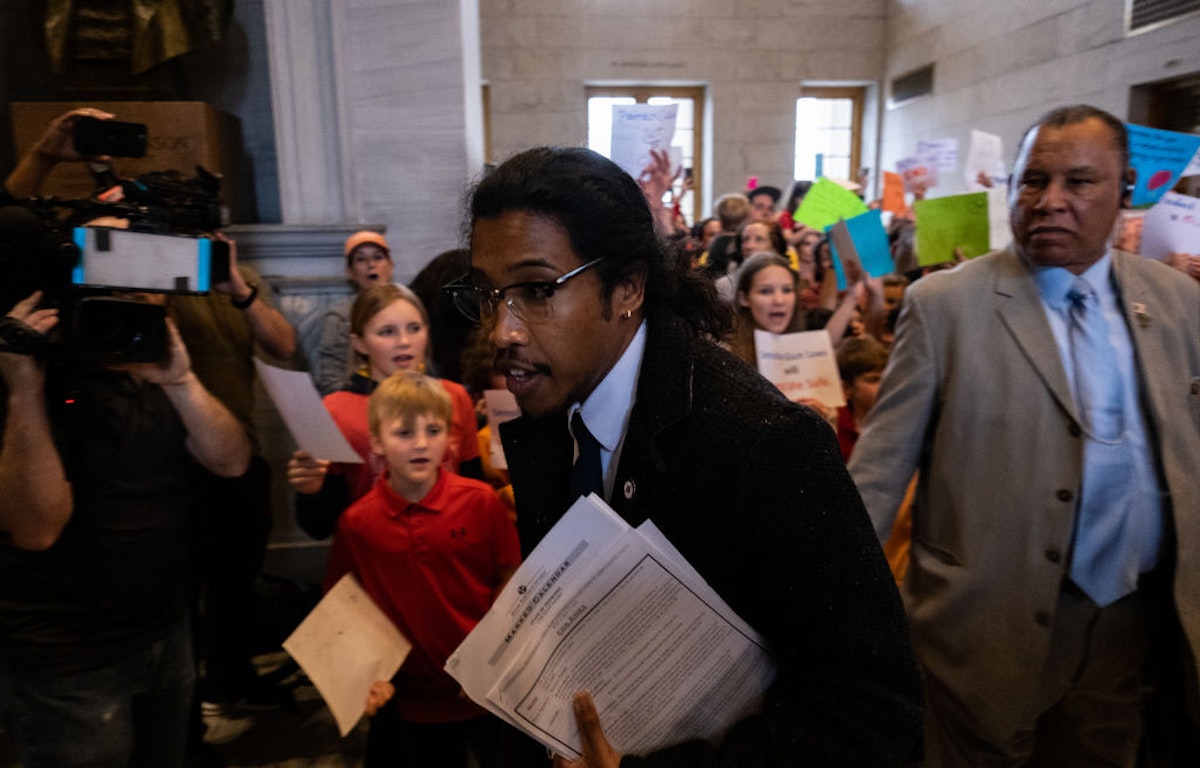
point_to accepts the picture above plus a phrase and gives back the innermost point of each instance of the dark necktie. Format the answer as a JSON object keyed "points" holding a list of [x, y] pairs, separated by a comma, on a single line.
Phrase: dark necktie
{"points": [[586, 475]]}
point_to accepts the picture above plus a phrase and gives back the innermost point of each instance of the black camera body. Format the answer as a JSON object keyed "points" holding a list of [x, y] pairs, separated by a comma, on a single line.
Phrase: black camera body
{"points": [[106, 329], [85, 272]]}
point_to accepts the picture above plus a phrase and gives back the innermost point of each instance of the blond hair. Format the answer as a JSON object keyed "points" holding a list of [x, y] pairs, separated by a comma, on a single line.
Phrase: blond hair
{"points": [[405, 395], [377, 298]]}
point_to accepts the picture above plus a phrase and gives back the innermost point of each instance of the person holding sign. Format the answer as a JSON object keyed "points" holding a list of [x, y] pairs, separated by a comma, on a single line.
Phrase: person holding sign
{"points": [[766, 301], [432, 549], [1048, 393], [606, 342]]}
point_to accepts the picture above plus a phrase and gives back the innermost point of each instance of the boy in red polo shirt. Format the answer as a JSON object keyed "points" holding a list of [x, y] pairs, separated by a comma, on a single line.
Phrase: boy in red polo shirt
{"points": [[433, 549]]}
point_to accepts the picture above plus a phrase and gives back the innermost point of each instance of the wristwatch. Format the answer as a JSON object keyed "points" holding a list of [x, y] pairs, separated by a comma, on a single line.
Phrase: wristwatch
{"points": [[246, 302]]}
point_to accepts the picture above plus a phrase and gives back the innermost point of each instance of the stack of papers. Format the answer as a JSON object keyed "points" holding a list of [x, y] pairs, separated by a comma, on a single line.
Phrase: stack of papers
{"points": [[615, 611]]}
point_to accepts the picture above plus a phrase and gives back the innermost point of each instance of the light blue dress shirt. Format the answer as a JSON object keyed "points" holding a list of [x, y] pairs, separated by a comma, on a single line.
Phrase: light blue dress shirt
{"points": [[1135, 490]]}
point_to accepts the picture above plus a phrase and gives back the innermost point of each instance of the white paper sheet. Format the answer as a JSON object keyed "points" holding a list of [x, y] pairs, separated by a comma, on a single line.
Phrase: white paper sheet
{"points": [[344, 645], [985, 155], [616, 612], [638, 128], [299, 404], [1171, 226]]}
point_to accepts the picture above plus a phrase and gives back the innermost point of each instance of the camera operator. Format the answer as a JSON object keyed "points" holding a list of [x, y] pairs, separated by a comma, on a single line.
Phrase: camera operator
{"points": [[95, 659], [231, 516], [93, 503]]}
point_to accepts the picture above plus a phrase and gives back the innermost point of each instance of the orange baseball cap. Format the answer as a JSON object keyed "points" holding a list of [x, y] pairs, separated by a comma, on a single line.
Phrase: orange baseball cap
{"points": [[363, 237]]}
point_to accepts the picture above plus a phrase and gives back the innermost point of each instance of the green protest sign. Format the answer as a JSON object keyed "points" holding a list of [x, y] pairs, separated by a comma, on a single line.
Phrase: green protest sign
{"points": [[955, 221], [826, 202]]}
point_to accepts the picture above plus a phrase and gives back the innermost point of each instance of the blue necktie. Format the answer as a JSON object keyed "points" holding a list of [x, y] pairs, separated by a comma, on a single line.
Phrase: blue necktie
{"points": [[1097, 378], [1103, 539], [587, 475]]}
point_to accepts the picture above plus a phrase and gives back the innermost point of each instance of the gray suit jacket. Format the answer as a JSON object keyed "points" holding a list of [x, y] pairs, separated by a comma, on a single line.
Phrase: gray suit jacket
{"points": [[975, 396]]}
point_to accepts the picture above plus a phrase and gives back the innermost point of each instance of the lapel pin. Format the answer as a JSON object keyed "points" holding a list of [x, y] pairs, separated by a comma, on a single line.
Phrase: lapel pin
{"points": [[1140, 313]]}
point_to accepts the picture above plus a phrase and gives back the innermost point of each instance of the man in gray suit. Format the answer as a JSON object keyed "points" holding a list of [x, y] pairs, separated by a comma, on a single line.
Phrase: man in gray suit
{"points": [[1055, 530]]}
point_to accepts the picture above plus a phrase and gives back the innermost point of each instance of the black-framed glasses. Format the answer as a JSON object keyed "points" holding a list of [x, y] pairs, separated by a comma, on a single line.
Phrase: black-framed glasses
{"points": [[531, 302]]}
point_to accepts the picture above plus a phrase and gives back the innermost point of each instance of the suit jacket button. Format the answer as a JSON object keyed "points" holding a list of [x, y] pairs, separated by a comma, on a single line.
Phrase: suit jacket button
{"points": [[1053, 555], [1065, 494], [1042, 618], [629, 489], [1073, 430]]}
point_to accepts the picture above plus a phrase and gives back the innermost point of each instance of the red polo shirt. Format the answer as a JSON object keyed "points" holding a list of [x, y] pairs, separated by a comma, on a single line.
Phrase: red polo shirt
{"points": [[433, 567]]}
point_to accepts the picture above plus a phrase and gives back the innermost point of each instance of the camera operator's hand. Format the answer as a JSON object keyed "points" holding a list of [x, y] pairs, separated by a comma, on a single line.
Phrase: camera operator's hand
{"points": [[26, 310], [214, 437], [58, 142], [270, 328], [173, 370], [35, 497], [56, 145], [22, 371], [236, 286]]}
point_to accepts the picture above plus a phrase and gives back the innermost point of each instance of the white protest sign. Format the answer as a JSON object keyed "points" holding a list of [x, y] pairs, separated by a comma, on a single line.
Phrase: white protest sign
{"points": [[1171, 226], [986, 156], [639, 128], [801, 364], [944, 150]]}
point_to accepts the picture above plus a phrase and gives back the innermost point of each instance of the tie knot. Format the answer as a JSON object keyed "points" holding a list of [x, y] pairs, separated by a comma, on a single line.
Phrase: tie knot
{"points": [[583, 435], [1080, 293]]}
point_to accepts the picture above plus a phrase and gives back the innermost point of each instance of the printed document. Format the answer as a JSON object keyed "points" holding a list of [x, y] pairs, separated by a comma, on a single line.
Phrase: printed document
{"points": [[615, 611]]}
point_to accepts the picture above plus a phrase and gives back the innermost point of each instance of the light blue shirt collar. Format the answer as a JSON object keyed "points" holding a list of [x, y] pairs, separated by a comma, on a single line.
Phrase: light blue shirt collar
{"points": [[1054, 282], [606, 410]]}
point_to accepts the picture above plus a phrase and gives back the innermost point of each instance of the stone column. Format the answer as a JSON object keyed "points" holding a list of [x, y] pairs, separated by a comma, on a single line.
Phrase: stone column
{"points": [[378, 125], [378, 117]]}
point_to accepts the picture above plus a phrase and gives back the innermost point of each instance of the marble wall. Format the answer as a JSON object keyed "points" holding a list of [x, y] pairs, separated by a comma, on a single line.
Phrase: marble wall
{"points": [[752, 56], [999, 65]]}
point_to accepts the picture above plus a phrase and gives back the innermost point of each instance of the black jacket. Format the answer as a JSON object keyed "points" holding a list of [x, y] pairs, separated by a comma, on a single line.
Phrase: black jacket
{"points": [[753, 492]]}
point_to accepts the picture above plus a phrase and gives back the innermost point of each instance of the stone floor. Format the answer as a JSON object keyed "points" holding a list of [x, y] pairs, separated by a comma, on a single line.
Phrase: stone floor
{"points": [[301, 737]]}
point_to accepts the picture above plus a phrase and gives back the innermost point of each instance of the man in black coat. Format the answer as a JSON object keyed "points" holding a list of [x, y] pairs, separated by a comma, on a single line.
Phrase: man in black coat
{"points": [[601, 337]]}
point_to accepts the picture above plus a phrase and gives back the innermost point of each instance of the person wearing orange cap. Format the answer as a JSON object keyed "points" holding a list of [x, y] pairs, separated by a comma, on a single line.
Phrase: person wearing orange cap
{"points": [[368, 263]]}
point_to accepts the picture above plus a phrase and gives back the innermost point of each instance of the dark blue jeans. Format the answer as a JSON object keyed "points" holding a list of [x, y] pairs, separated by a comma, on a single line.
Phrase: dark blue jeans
{"points": [[131, 713]]}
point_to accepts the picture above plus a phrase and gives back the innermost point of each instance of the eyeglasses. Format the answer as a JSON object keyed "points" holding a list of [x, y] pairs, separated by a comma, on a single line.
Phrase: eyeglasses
{"points": [[530, 302]]}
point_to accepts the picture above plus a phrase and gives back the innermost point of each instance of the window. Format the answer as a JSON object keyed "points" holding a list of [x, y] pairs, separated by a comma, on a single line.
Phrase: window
{"points": [[687, 128], [828, 133]]}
